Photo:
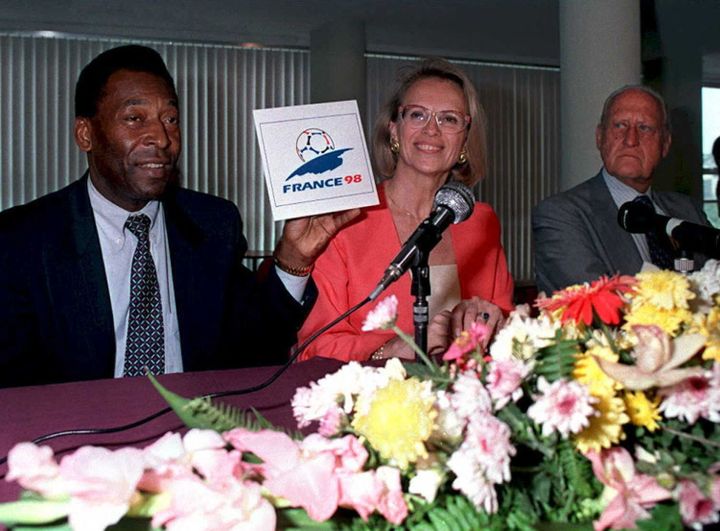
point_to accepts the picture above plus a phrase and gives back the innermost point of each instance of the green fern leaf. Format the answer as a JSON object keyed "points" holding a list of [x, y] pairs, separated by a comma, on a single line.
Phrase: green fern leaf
{"points": [[202, 413]]}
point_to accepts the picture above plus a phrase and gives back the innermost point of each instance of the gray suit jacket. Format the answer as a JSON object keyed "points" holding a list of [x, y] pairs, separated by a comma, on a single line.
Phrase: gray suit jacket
{"points": [[577, 237]]}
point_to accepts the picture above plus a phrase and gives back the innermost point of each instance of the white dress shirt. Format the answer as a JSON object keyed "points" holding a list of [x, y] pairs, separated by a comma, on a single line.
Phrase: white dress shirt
{"points": [[118, 246], [622, 193]]}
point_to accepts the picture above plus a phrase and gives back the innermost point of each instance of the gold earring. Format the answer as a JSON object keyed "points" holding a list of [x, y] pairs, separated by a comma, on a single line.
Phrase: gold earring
{"points": [[462, 158], [394, 146]]}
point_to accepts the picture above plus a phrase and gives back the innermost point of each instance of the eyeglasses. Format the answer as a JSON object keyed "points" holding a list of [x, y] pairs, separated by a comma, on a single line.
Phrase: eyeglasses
{"points": [[417, 117]]}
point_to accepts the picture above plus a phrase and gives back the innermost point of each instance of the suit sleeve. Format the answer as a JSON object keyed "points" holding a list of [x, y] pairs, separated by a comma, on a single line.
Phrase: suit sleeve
{"points": [[264, 316], [565, 253]]}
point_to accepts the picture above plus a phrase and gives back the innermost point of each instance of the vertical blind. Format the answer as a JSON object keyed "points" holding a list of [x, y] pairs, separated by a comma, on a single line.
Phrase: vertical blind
{"points": [[219, 86]]}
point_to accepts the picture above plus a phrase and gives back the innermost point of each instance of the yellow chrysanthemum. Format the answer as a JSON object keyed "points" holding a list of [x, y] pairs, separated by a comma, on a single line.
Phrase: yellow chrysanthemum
{"points": [[710, 328], [664, 289], [669, 321], [399, 419], [588, 372], [641, 410], [606, 428]]}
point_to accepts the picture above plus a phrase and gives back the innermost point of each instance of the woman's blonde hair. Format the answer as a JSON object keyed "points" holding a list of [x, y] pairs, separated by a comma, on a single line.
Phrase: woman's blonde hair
{"points": [[385, 161]]}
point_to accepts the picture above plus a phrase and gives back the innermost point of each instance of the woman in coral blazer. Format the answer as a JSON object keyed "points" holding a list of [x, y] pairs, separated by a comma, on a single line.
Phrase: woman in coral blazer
{"points": [[432, 129]]}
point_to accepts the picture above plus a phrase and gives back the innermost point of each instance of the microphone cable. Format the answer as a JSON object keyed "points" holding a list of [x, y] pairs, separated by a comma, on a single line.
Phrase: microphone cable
{"points": [[274, 376]]}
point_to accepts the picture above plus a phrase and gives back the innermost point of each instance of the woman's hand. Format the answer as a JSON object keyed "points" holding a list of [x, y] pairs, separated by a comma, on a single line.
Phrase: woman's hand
{"points": [[473, 310], [439, 337]]}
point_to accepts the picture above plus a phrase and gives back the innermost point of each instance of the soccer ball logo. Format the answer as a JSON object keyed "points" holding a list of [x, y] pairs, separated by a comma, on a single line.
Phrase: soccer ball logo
{"points": [[312, 143]]}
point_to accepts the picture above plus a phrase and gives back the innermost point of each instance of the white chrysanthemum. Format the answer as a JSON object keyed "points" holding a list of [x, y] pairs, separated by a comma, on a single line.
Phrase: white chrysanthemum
{"points": [[471, 482], [482, 461], [489, 440], [341, 389], [522, 336], [706, 284], [448, 424], [564, 407], [383, 316], [470, 396]]}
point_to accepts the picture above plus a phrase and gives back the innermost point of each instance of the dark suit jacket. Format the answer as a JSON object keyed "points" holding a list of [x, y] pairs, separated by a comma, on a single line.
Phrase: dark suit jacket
{"points": [[56, 321], [577, 237]]}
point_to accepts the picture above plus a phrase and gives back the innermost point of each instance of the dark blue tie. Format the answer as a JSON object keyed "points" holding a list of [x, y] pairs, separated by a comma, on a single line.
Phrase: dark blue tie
{"points": [[145, 345], [659, 245]]}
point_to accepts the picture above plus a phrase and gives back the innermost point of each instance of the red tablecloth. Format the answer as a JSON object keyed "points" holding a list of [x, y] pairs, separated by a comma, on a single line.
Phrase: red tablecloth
{"points": [[29, 412]]}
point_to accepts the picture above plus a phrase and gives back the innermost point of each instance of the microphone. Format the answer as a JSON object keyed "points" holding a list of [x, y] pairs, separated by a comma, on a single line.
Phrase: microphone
{"points": [[453, 203], [636, 217]]}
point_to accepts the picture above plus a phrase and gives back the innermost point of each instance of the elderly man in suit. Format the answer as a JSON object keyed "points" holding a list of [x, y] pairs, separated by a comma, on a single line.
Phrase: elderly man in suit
{"points": [[124, 270], [576, 234]]}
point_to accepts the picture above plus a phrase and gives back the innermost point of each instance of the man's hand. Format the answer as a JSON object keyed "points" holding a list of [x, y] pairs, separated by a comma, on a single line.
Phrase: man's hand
{"points": [[304, 239]]}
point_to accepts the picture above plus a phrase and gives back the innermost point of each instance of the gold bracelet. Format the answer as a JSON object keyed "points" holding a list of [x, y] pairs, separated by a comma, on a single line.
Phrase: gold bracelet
{"points": [[378, 354], [291, 270]]}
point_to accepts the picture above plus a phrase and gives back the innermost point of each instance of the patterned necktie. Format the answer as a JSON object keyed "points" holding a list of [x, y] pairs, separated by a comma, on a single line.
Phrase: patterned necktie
{"points": [[145, 345], [659, 244]]}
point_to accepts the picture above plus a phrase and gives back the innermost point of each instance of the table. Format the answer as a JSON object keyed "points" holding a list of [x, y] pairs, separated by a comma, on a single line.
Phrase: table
{"points": [[29, 412]]}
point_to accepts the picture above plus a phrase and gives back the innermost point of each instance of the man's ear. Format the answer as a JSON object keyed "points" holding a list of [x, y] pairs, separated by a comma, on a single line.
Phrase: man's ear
{"points": [[667, 140], [598, 136], [83, 133]]}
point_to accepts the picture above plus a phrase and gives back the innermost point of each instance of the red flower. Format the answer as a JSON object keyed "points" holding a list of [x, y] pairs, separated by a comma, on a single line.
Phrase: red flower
{"points": [[604, 296]]}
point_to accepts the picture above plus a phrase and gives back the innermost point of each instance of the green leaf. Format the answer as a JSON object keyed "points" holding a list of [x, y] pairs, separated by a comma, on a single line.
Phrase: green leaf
{"points": [[557, 360], [662, 518], [33, 512], [202, 413], [298, 519]]}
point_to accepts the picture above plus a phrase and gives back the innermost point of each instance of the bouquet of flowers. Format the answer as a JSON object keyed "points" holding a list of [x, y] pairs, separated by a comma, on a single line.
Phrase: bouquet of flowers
{"points": [[601, 411]]}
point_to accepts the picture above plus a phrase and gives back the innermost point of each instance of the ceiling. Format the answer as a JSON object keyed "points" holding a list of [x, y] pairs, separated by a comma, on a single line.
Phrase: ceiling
{"points": [[524, 31]]}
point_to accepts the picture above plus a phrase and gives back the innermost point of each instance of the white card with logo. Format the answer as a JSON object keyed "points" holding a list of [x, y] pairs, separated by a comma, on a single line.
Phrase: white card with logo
{"points": [[315, 159]]}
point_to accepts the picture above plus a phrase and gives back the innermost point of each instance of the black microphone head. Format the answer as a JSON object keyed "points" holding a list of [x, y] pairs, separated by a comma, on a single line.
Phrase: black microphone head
{"points": [[636, 217], [456, 197]]}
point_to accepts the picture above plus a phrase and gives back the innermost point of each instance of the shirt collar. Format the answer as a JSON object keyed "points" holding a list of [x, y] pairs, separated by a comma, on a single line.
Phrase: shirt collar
{"points": [[621, 192], [112, 217]]}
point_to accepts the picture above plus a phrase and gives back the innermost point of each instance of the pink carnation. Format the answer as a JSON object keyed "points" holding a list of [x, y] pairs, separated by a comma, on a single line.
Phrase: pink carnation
{"points": [[470, 397], [383, 316], [504, 380], [564, 407], [690, 399], [482, 460]]}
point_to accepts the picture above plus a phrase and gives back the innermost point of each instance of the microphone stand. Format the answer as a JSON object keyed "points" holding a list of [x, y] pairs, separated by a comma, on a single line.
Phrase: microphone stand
{"points": [[421, 290]]}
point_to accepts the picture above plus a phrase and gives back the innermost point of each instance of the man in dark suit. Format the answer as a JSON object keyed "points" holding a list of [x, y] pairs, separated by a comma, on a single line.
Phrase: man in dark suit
{"points": [[74, 270], [576, 234]]}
